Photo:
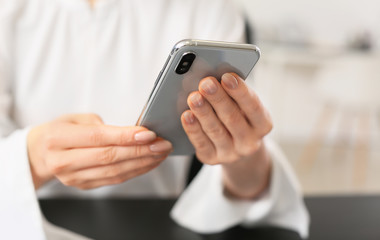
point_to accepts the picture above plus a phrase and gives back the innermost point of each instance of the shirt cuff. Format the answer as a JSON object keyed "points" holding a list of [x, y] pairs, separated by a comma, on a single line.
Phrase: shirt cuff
{"points": [[204, 208], [20, 216], [58, 233]]}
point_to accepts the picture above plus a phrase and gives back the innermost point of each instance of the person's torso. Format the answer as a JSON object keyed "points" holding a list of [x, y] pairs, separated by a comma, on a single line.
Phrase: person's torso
{"points": [[70, 58]]}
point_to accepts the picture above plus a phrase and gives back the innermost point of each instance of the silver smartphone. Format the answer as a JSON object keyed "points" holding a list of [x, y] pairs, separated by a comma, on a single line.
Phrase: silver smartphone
{"points": [[189, 62]]}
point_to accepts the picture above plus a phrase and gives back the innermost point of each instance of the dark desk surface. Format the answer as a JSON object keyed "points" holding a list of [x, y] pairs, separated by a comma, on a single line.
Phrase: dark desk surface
{"points": [[333, 218], [344, 217]]}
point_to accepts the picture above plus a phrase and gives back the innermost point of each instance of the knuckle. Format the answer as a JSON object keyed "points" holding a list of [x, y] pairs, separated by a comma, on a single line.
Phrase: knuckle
{"points": [[255, 103], [96, 136], [125, 138], [107, 156], [202, 145], [218, 99], [138, 151], [50, 142], [95, 116], [268, 126], [112, 171], [56, 167], [244, 93], [233, 118], [216, 131], [191, 130]]}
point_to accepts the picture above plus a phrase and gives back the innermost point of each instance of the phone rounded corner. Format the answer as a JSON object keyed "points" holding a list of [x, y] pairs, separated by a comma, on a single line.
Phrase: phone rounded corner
{"points": [[182, 43], [257, 50]]}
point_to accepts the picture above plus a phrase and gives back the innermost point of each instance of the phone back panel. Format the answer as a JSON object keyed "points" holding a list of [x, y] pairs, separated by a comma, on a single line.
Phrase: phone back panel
{"points": [[168, 100]]}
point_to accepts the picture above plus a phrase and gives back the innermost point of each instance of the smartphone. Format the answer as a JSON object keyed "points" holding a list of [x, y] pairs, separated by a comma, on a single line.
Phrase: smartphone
{"points": [[190, 61]]}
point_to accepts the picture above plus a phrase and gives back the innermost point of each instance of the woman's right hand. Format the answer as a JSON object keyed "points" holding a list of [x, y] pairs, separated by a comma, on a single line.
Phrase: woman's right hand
{"points": [[82, 152]]}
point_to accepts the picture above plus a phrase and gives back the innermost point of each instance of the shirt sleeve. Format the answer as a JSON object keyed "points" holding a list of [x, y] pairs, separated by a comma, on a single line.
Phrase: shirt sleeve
{"points": [[20, 216], [203, 207]]}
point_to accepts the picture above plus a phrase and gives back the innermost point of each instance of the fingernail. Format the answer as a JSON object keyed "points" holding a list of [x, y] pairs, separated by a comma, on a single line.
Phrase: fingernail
{"points": [[197, 100], [160, 146], [189, 117], [209, 86], [229, 80], [145, 136]]}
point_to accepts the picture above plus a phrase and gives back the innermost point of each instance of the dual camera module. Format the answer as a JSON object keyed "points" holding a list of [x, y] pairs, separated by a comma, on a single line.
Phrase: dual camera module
{"points": [[185, 63]]}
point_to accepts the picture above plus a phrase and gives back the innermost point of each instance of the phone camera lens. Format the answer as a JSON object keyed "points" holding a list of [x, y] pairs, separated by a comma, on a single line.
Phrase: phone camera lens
{"points": [[185, 63]]}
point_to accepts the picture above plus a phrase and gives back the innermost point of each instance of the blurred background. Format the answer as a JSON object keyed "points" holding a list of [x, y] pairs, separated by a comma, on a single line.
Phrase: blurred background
{"points": [[320, 77]]}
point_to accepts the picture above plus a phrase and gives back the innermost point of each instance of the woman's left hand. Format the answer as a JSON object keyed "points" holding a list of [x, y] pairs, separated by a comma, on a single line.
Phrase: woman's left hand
{"points": [[226, 124]]}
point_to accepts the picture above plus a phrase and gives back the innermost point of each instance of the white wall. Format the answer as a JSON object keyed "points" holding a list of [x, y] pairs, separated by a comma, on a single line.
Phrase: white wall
{"points": [[318, 22]]}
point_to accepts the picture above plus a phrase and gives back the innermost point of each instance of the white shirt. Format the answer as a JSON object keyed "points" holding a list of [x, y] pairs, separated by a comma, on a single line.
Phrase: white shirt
{"points": [[61, 56]]}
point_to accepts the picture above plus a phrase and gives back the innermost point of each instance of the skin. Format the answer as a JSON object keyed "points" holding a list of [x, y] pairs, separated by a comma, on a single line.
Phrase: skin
{"points": [[226, 124], [82, 152], [92, 3]]}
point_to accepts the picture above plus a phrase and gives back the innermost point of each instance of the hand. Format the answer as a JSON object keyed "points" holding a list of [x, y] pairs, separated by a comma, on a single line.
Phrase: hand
{"points": [[82, 152], [226, 124]]}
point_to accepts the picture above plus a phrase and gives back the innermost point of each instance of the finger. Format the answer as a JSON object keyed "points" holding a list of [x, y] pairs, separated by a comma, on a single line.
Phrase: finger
{"points": [[128, 168], [80, 136], [81, 158], [248, 101], [227, 110], [210, 123], [90, 118], [204, 147], [94, 180], [123, 168]]}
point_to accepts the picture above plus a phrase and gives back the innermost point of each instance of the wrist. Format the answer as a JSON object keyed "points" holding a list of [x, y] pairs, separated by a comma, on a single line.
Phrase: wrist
{"points": [[248, 177], [39, 172], [38, 179]]}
